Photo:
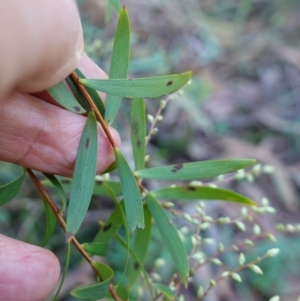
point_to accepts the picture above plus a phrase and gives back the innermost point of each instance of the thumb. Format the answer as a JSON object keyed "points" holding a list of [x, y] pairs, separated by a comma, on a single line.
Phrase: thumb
{"points": [[27, 272]]}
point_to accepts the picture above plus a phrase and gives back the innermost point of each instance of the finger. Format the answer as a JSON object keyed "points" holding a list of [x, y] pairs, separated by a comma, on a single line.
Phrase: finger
{"points": [[44, 137], [92, 70], [27, 272], [41, 43], [89, 69]]}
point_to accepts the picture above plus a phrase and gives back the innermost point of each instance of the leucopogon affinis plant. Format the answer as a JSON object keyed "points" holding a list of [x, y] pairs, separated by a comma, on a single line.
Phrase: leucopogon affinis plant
{"points": [[137, 210]]}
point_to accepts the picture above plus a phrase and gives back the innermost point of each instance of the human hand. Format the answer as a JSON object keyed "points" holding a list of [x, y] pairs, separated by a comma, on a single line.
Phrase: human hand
{"points": [[41, 44]]}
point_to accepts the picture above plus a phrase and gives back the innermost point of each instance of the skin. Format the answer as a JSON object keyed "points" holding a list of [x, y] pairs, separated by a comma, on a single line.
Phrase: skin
{"points": [[41, 44]]}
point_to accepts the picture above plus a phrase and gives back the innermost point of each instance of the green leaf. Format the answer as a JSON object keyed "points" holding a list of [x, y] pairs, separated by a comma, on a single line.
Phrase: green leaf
{"points": [[165, 290], [119, 63], [50, 223], [106, 233], [139, 248], [111, 5], [138, 132], [139, 268], [200, 193], [66, 267], [98, 290], [195, 170], [77, 94], [96, 248], [94, 95], [131, 193], [169, 236], [63, 96], [84, 175], [57, 185], [149, 87], [123, 218], [10, 190], [99, 188]]}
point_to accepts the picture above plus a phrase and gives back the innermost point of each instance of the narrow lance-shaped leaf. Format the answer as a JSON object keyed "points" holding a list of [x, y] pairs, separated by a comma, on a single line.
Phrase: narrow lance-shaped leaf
{"points": [[63, 96], [50, 223], [169, 236], [119, 63], [98, 290], [111, 5], [201, 193], [84, 175], [99, 246], [131, 193], [94, 95], [149, 87], [195, 170], [10, 190], [123, 218], [138, 132], [139, 267], [66, 267], [139, 248], [57, 185], [165, 290]]}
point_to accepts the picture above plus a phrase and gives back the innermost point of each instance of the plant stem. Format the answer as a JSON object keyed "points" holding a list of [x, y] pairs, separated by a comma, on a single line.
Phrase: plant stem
{"points": [[242, 267], [155, 120], [62, 223], [92, 105]]}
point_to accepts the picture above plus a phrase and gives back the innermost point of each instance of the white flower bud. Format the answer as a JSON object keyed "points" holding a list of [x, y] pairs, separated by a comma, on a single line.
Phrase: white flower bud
{"points": [[244, 211], [204, 226], [275, 298], [265, 201], [162, 104], [220, 247], [240, 225], [268, 169], [255, 268], [200, 292], [256, 229], [208, 241], [236, 277], [159, 262], [271, 237], [216, 261], [187, 217], [273, 252], [150, 118], [241, 259], [248, 242]]}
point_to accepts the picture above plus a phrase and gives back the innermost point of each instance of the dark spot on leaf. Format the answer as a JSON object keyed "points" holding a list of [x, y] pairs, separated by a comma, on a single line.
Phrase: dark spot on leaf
{"points": [[177, 167], [87, 142], [107, 227], [65, 181], [138, 143], [135, 127], [136, 265], [191, 188], [169, 83], [77, 109]]}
